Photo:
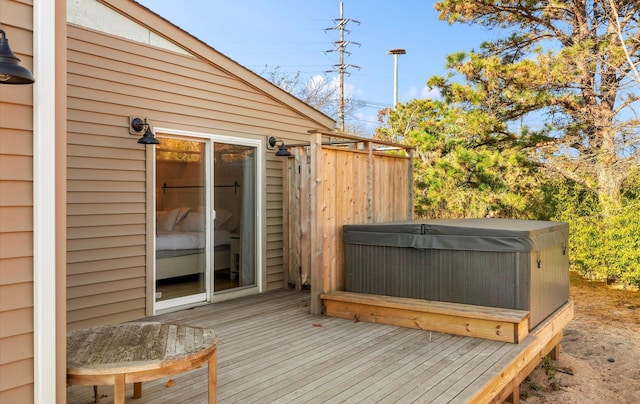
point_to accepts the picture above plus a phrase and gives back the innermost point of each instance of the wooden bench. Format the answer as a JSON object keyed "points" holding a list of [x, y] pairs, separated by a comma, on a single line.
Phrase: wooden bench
{"points": [[492, 323], [139, 351]]}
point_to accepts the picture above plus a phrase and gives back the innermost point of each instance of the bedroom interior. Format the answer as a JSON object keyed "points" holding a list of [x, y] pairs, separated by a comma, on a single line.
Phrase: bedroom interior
{"points": [[181, 206]]}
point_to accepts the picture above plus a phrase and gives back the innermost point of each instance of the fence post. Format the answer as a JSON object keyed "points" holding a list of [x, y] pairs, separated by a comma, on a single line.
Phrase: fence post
{"points": [[316, 236], [410, 179], [371, 202]]}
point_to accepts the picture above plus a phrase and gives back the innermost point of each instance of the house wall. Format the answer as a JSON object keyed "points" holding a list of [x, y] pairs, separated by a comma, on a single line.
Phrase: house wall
{"points": [[16, 212], [109, 79]]}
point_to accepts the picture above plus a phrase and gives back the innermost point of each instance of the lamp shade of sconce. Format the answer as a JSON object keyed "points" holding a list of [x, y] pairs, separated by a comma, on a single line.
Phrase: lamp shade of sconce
{"points": [[148, 137], [10, 70], [282, 149]]}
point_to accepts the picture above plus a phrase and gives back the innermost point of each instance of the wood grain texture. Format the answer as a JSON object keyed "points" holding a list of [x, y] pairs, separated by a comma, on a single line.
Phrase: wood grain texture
{"points": [[461, 319], [330, 186], [139, 351], [273, 350]]}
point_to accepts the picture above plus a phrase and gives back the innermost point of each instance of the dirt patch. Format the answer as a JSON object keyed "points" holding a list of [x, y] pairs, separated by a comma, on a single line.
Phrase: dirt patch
{"points": [[600, 352]]}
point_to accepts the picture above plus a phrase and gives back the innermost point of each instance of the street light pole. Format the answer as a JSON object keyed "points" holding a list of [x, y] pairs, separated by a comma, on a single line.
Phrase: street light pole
{"points": [[395, 53]]}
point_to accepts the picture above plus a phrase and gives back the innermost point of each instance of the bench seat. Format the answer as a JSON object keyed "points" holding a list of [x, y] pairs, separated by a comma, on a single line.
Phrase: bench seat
{"points": [[491, 323]]}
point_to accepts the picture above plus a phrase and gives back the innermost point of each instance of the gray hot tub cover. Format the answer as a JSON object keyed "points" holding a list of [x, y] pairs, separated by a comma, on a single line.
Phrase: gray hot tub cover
{"points": [[503, 235]]}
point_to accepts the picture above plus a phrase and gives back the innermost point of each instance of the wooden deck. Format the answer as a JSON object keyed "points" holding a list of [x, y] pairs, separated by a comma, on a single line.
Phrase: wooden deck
{"points": [[273, 350]]}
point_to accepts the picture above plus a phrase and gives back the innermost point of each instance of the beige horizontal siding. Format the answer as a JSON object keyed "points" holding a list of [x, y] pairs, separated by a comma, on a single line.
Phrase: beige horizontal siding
{"points": [[120, 306], [16, 348], [13, 375], [16, 322], [112, 276], [15, 141], [21, 115], [119, 317], [121, 175], [16, 168], [16, 194], [92, 256], [105, 220], [106, 298], [15, 218], [16, 270], [129, 67], [105, 265], [105, 231], [16, 296], [274, 230], [16, 245], [110, 79], [105, 209], [104, 186]]}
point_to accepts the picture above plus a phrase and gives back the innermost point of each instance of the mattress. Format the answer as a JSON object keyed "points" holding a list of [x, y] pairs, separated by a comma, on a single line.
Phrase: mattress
{"points": [[188, 240]]}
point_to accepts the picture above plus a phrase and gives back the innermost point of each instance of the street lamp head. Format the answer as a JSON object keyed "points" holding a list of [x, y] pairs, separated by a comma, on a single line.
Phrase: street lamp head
{"points": [[396, 52]]}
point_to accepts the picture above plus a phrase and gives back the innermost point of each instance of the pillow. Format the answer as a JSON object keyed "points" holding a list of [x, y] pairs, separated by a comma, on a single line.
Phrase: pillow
{"points": [[182, 213], [222, 217], [229, 225], [166, 219], [193, 222]]}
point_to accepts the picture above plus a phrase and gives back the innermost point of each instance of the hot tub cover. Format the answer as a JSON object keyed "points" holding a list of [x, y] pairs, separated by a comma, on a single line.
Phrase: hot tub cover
{"points": [[506, 235]]}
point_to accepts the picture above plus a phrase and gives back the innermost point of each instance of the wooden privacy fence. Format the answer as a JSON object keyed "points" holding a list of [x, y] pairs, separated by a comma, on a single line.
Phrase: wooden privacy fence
{"points": [[333, 181]]}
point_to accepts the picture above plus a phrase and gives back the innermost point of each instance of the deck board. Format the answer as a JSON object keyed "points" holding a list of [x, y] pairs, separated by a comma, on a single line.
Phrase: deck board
{"points": [[263, 382], [348, 370], [334, 365], [273, 350]]}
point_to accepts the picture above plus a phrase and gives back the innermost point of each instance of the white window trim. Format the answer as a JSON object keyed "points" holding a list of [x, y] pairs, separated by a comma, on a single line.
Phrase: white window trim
{"points": [[44, 207]]}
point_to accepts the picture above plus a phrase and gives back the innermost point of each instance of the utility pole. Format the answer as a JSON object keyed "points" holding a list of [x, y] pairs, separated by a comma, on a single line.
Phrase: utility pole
{"points": [[342, 67], [395, 53]]}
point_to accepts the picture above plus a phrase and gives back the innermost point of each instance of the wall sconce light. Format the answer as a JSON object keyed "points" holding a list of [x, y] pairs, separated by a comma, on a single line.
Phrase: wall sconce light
{"points": [[282, 149], [148, 137], [10, 70]]}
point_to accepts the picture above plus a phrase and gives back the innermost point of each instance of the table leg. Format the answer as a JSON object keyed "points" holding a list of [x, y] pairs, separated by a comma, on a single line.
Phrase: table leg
{"points": [[213, 378], [137, 390], [119, 389]]}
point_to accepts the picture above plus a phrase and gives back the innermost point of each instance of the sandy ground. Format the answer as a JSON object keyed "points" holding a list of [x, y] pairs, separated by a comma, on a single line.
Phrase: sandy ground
{"points": [[600, 351]]}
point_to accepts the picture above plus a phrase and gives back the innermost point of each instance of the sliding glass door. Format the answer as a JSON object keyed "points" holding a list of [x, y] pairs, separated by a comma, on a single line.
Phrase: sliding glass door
{"points": [[235, 216], [206, 219], [181, 221]]}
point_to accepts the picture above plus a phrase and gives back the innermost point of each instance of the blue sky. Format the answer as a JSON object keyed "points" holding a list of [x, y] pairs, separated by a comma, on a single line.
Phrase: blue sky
{"points": [[291, 34]]}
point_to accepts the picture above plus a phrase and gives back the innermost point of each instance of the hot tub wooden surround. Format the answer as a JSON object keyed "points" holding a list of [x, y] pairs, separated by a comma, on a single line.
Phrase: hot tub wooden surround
{"points": [[492, 323]]}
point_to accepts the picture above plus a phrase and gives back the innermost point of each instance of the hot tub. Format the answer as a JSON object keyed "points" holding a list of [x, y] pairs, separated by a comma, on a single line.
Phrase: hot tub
{"points": [[516, 264]]}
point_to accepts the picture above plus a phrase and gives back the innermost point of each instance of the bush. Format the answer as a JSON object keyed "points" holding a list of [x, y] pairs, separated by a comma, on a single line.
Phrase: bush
{"points": [[604, 243]]}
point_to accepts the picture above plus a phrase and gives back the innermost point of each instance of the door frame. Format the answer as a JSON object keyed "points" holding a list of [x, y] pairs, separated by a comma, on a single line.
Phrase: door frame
{"points": [[260, 219]]}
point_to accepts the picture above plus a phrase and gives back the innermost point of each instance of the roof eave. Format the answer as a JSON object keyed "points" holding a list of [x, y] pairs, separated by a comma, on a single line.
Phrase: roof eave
{"points": [[178, 36]]}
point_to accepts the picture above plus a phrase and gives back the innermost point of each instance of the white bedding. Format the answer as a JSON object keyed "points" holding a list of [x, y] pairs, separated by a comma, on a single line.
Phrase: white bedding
{"points": [[187, 240]]}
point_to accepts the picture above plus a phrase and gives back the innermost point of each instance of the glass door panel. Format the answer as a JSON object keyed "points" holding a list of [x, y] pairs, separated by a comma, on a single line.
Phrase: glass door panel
{"points": [[181, 239], [234, 232]]}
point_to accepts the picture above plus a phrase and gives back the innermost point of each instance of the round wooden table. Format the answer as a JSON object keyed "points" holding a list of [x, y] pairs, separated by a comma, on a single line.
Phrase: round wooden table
{"points": [[139, 351]]}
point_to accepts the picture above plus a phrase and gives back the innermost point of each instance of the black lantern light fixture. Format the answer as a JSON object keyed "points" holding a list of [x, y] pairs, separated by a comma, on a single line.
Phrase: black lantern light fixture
{"points": [[137, 124], [10, 70], [282, 149]]}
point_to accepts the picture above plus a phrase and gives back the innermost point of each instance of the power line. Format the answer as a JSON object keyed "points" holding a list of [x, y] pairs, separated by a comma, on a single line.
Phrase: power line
{"points": [[342, 67]]}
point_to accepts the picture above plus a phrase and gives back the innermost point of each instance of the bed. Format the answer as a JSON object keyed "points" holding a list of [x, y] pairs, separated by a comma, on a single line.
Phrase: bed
{"points": [[180, 241]]}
